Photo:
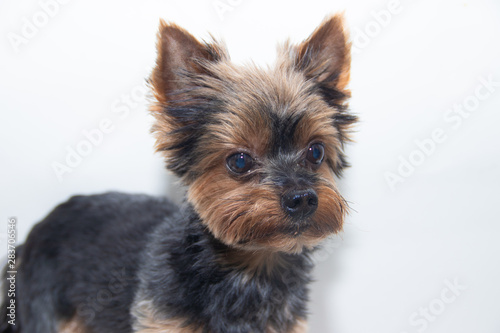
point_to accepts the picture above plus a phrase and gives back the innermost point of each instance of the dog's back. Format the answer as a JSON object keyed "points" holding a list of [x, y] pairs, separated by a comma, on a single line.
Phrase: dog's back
{"points": [[60, 277]]}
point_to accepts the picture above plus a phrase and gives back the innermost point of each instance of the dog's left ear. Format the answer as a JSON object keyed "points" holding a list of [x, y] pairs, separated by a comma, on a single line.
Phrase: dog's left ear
{"points": [[325, 57]]}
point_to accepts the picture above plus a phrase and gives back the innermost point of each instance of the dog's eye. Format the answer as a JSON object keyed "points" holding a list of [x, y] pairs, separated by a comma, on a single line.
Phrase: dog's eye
{"points": [[240, 162], [315, 154]]}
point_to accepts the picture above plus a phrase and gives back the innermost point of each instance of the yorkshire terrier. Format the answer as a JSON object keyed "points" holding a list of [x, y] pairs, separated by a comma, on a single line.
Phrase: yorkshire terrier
{"points": [[259, 150]]}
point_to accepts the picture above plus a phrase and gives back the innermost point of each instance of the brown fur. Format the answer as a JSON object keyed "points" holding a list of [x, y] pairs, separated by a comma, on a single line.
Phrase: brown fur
{"points": [[301, 327], [237, 213], [332, 39], [75, 325], [148, 320], [171, 59]]}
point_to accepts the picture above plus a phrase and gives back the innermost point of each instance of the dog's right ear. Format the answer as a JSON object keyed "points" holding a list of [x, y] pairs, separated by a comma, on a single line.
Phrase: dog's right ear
{"points": [[179, 56], [182, 67]]}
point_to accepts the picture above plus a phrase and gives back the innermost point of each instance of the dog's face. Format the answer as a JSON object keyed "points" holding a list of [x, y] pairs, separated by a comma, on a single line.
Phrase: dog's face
{"points": [[258, 148]]}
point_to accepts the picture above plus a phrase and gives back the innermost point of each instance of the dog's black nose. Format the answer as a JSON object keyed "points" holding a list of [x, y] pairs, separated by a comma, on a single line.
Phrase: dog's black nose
{"points": [[300, 203]]}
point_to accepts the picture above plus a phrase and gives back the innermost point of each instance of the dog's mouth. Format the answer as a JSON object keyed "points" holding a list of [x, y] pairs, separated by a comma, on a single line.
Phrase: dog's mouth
{"points": [[292, 237], [297, 228]]}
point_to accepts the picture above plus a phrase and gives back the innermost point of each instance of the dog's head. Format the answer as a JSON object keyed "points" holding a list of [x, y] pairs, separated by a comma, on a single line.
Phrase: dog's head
{"points": [[257, 148]]}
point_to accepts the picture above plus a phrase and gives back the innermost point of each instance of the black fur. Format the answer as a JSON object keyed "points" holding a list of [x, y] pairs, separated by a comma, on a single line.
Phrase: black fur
{"points": [[83, 259], [284, 127], [190, 115], [218, 298]]}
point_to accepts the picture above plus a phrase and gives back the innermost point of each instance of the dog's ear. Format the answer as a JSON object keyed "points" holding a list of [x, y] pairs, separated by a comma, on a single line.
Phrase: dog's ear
{"points": [[325, 57], [182, 67], [179, 56]]}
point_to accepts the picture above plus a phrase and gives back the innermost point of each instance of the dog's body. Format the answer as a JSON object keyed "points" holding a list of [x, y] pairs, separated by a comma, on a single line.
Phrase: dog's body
{"points": [[258, 150], [84, 258], [88, 261]]}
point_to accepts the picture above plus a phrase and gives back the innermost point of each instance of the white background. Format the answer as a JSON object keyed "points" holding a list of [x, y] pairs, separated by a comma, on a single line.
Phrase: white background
{"points": [[400, 246]]}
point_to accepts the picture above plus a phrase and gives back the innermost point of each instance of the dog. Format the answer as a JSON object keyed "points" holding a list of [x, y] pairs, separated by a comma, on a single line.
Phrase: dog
{"points": [[259, 150]]}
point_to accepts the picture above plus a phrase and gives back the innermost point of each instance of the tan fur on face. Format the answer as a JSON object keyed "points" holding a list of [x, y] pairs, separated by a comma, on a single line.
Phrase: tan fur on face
{"points": [[249, 215]]}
